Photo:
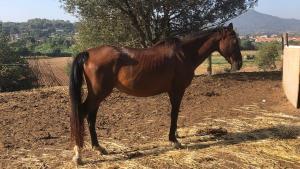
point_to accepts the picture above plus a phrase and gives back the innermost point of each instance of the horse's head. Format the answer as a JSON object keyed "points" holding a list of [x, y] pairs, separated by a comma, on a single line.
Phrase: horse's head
{"points": [[229, 47]]}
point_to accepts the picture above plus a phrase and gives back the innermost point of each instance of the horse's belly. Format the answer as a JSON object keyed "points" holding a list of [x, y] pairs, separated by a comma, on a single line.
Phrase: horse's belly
{"points": [[139, 92], [144, 84]]}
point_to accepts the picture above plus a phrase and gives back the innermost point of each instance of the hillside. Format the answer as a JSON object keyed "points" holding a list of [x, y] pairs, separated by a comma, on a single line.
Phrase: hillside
{"points": [[40, 37], [253, 22], [39, 29]]}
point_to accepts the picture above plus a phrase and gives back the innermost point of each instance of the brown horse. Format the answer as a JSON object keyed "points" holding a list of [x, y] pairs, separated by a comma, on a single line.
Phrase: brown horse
{"points": [[167, 67]]}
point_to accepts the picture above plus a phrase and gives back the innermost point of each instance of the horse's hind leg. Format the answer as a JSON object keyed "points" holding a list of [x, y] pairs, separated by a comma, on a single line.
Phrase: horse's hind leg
{"points": [[96, 94], [91, 106], [77, 158], [175, 99]]}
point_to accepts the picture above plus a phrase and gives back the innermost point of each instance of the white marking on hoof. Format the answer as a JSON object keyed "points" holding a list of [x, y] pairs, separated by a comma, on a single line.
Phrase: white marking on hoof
{"points": [[77, 159]]}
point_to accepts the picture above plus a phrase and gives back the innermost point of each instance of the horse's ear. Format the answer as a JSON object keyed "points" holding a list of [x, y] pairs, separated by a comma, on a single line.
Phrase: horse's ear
{"points": [[230, 26]]}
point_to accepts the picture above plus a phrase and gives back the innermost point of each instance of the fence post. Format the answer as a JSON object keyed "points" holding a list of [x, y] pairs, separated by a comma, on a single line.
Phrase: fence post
{"points": [[286, 39], [209, 67], [282, 44]]}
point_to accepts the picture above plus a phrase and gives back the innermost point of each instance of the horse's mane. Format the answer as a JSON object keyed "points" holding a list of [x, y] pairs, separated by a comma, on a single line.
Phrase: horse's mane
{"points": [[177, 41], [174, 41], [200, 34]]}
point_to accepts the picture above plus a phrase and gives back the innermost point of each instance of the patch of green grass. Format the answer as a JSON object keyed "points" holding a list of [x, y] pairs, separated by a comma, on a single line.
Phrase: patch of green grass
{"points": [[219, 60]]}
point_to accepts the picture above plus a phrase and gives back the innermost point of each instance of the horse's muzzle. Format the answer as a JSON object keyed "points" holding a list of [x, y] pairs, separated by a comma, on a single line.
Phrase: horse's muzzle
{"points": [[236, 66]]}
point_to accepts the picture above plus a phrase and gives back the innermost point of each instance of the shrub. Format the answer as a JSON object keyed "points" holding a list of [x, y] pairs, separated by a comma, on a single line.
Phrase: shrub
{"points": [[16, 78], [292, 42], [246, 44], [267, 55], [14, 70]]}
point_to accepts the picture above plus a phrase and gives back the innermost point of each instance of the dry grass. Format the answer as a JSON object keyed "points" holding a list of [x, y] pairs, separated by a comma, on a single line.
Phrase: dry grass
{"points": [[270, 140]]}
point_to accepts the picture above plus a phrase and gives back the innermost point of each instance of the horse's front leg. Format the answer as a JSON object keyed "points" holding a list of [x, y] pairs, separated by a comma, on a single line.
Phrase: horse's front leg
{"points": [[175, 99]]}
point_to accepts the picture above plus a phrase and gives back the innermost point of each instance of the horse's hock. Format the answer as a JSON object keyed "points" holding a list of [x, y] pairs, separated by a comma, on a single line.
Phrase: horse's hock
{"points": [[291, 74]]}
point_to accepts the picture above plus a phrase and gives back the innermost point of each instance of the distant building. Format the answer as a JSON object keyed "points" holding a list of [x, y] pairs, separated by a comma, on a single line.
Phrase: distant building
{"points": [[14, 37], [263, 36], [59, 30], [267, 39], [274, 36], [296, 39], [242, 37]]}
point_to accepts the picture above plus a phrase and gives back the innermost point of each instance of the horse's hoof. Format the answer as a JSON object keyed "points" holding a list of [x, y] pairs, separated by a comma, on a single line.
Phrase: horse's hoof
{"points": [[100, 149], [177, 145], [177, 135], [77, 160]]}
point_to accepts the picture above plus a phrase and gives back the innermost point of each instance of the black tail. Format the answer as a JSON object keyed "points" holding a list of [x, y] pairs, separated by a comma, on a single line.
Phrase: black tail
{"points": [[76, 116]]}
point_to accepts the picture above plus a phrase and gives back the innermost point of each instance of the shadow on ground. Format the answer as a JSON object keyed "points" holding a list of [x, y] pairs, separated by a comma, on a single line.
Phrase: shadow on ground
{"points": [[276, 132], [249, 76]]}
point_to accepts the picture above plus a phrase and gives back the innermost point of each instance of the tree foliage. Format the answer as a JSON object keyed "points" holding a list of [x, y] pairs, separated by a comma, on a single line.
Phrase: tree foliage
{"points": [[247, 44], [92, 33], [147, 21], [267, 54], [14, 72]]}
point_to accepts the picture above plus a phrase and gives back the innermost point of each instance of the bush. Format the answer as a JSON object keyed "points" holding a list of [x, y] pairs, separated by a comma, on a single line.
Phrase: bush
{"points": [[14, 70], [292, 42], [267, 55], [16, 78], [246, 44]]}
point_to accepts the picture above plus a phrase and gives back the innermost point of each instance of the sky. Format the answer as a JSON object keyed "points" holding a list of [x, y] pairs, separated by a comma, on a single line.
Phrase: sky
{"points": [[22, 10], [282, 8]]}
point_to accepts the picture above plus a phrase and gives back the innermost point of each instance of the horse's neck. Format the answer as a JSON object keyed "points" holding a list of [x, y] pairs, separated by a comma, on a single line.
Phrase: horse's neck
{"points": [[200, 49]]}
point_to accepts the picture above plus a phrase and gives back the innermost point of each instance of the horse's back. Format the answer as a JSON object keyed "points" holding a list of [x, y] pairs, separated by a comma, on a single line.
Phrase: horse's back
{"points": [[165, 48], [103, 54]]}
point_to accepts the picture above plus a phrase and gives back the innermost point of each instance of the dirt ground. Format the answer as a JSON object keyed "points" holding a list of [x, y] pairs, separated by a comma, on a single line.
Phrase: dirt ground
{"points": [[51, 71], [240, 120]]}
